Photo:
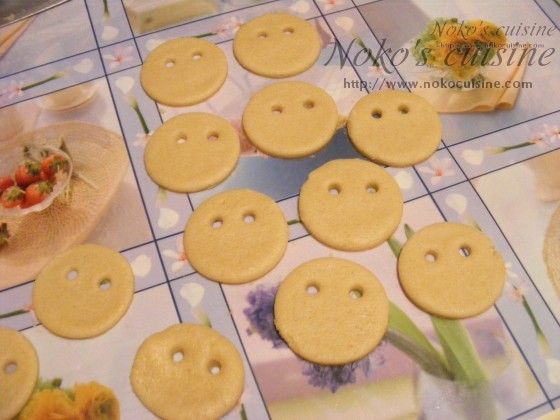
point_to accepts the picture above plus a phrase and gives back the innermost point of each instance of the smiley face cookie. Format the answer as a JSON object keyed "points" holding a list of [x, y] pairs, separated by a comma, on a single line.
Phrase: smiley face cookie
{"points": [[84, 291], [188, 372], [331, 311], [350, 204], [19, 372], [192, 152], [184, 71], [277, 45], [236, 236], [451, 270], [290, 119], [394, 128]]}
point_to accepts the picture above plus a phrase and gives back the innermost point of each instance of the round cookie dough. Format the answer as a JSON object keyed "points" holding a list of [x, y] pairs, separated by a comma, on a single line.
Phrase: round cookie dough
{"points": [[84, 291], [350, 204], [19, 374], [236, 236], [188, 372], [277, 45], [331, 311], [290, 119], [394, 128], [451, 270], [184, 71], [192, 152]]}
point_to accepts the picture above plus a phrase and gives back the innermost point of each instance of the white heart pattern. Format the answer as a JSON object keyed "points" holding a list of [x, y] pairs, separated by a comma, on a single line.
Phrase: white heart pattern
{"points": [[109, 32], [167, 218], [84, 66], [473, 157], [125, 84], [141, 266], [404, 179], [300, 7], [345, 23], [457, 202], [192, 293]]}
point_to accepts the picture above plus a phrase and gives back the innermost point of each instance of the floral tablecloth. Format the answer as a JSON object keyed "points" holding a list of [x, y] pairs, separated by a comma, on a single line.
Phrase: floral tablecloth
{"points": [[498, 171]]}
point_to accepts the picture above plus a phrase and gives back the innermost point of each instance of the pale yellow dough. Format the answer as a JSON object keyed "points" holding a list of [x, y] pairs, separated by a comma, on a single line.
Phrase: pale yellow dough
{"points": [[331, 311], [236, 236], [192, 152], [451, 270], [394, 128], [350, 204], [184, 71], [277, 45], [205, 383], [290, 119], [84, 291], [19, 371]]}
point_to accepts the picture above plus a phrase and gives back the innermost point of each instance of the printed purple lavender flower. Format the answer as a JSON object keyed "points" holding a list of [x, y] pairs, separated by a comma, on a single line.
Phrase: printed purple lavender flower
{"points": [[260, 314], [333, 377]]}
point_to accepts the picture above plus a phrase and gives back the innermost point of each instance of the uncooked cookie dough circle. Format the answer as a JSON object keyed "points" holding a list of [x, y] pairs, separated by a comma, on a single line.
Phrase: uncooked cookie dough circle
{"points": [[236, 236], [188, 372], [192, 152], [350, 204], [19, 371], [184, 71], [394, 128], [84, 291], [277, 45], [331, 311], [290, 119], [451, 270]]}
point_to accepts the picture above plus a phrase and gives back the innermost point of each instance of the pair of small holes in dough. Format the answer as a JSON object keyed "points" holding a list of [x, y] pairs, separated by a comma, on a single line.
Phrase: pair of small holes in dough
{"points": [[10, 368], [287, 31], [214, 368], [370, 189], [377, 113], [247, 218], [464, 251], [354, 293], [277, 109], [104, 284], [211, 137]]}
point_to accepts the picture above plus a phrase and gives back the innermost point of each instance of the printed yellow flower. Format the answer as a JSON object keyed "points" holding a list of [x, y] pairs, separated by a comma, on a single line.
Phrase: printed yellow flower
{"points": [[95, 402], [49, 404]]}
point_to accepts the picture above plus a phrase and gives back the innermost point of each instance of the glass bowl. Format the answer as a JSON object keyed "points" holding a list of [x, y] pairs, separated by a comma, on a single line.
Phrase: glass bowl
{"points": [[10, 161]]}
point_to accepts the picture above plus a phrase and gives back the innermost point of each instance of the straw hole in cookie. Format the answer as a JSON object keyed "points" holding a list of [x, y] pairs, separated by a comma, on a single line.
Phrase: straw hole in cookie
{"points": [[178, 356], [309, 104], [72, 274], [312, 290], [403, 109], [10, 368], [197, 55], [356, 293], [215, 367], [262, 35], [217, 223], [431, 256], [249, 218], [276, 110], [170, 63], [288, 31], [334, 189], [105, 284], [182, 139], [372, 188], [213, 136], [376, 114], [465, 251]]}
